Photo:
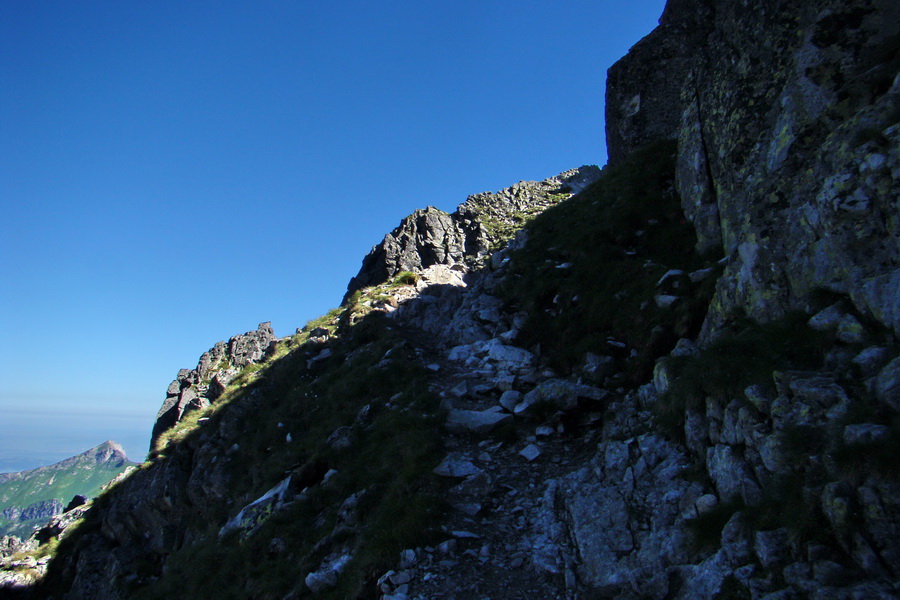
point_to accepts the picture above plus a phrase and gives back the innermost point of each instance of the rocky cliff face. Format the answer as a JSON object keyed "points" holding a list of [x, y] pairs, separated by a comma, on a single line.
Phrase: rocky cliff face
{"points": [[597, 409], [195, 389], [786, 116], [466, 237]]}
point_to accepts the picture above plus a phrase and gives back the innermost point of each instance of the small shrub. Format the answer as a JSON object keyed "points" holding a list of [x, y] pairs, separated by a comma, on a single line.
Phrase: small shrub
{"points": [[405, 278]]}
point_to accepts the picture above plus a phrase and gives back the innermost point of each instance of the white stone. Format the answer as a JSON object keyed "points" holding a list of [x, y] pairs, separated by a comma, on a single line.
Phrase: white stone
{"points": [[456, 465], [474, 421], [509, 399], [665, 300], [530, 452]]}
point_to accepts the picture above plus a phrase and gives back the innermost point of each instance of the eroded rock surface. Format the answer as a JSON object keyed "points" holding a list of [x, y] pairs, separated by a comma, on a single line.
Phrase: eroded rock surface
{"points": [[786, 114], [196, 388], [466, 237]]}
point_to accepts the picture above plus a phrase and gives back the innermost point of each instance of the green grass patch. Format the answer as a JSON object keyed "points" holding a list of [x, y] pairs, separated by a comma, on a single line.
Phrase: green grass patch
{"points": [[404, 278], [501, 228]]}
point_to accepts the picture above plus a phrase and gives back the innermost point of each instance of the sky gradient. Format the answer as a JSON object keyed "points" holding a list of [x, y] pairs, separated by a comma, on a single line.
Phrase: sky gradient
{"points": [[174, 173]]}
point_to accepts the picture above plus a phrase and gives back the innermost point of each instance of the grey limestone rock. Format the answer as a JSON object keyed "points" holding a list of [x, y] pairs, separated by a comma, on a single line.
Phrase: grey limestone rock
{"points": [[626, 516], [467, 236], [887, 386], [197, 388], [559, 393], [530, 452], [456, 465], [784, 165], [325, 577], [865, 433], [476, 421]]}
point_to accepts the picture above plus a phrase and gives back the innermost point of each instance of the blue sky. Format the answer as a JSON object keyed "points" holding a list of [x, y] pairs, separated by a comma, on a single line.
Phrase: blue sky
{"points": [[173, 173]]}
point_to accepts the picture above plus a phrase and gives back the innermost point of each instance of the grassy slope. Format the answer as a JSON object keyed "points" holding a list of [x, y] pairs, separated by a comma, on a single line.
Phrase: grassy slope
{"points": [[616, 239], [390, 456]]}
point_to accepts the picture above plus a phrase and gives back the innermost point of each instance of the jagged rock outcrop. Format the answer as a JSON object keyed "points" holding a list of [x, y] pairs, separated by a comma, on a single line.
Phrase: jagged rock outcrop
{"points": [[197, 388], [787, 116], [644, 88], [465, 237]]}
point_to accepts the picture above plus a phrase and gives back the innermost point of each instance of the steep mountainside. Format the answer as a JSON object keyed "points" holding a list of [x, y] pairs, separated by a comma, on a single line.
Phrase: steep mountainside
{"points": [[683, 381], [29, 498], [785, 115]]}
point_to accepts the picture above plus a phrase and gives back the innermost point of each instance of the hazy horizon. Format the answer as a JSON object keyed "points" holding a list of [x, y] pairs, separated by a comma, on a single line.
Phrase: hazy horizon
{"points": [[173, 174], [39, 437]]}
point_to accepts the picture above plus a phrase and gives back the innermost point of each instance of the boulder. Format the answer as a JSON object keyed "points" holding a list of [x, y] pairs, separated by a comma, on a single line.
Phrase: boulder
{"points": [[479, 422], [887, 386], [456, 465], [325, 577], [558, 393]]}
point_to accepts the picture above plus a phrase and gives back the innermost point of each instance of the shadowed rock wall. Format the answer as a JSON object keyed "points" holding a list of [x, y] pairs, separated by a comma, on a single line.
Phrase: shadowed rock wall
{"points": [[787, 116]]}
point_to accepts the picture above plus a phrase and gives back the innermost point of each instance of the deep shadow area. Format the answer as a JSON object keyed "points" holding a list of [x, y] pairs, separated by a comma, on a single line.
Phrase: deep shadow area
{"points": [[593, 266], [358, 423]]}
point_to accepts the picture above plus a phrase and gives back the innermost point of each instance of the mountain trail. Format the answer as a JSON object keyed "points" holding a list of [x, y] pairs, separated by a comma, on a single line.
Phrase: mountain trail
{"points": [[492, 527]]}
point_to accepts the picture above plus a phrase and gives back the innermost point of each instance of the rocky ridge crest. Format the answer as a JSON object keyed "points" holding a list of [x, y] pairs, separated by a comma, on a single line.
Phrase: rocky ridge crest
{"points": [[466, 237], [197, 388]]}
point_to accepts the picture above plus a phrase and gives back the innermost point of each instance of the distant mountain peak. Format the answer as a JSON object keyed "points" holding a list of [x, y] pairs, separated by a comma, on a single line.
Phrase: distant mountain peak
{"points": [[106, 451], [29, 498]]}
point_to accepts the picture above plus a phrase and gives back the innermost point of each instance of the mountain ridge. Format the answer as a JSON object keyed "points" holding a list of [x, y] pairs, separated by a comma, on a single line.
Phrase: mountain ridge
{"points": [[681, 382], [465, 237], [30, 498]]}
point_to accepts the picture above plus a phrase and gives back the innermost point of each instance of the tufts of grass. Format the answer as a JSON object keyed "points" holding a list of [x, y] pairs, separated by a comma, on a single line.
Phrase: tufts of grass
{"points": [[404, 278], [500, 229]]}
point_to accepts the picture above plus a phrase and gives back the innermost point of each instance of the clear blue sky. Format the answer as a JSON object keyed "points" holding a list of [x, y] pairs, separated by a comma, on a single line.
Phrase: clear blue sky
{"points": [[173, 173]]}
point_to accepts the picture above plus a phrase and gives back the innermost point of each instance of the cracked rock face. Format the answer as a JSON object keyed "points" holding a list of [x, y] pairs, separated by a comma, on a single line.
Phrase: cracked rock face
{"points": [[433, 237], [197, 388], [787, 119]]}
